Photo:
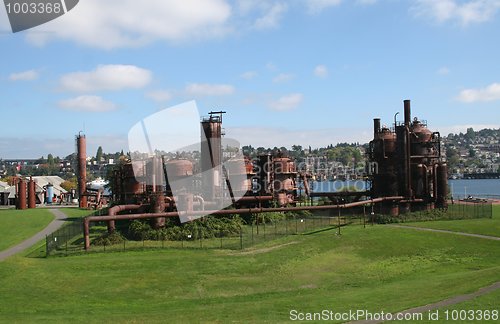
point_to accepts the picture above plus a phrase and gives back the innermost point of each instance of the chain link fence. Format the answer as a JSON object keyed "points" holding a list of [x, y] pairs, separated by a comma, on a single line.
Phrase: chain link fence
{"points": [[69, 240]]}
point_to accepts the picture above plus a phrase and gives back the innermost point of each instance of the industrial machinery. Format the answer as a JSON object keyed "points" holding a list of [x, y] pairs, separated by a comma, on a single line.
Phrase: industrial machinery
{"points": [[406, 172], [406, 161]]}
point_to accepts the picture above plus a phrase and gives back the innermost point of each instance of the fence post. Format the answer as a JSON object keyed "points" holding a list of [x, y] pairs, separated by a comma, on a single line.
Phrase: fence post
{"points": [[339, 222], [252, 233], [241, 239]]}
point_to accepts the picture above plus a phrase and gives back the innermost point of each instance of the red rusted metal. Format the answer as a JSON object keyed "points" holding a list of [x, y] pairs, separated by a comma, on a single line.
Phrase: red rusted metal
{"points": [[81, 145], [21, 194], [31, 194]]}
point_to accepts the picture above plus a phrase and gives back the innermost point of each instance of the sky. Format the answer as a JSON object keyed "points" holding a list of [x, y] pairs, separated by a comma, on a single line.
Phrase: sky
{"points": [[306, 72]]}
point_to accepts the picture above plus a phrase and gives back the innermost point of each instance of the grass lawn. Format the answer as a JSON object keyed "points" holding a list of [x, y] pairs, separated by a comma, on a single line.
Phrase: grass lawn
{"points": [[18, 225], [377, 268], [483, 226], [76, 212]]}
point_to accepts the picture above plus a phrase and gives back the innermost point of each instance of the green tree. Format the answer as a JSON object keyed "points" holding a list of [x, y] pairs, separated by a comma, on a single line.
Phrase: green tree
{"points": [[98, 155]]}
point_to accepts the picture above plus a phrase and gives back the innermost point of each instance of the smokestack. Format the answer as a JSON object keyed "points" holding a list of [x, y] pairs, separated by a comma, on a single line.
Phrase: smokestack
{"points": [[81, 147], [407, 112], [21, 194], [31, 194], [376, 126]]}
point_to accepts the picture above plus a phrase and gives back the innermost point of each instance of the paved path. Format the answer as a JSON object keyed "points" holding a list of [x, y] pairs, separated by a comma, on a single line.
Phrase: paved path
{"points": [[495, 238], [443, 303], [450, 301], [54, 225]]}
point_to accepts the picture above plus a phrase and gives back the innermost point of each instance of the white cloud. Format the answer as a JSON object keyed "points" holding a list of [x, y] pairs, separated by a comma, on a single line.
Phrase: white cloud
{"points": [[443, 71], [131, 23], [316, 6], [490, 93], [271, 66], [468, 12], [87, 103], [206, 89], [107, 77], [272, 17], [287, 102], [283, 77], [159, 95], [248, 75], [29, 75], [321, 71]]}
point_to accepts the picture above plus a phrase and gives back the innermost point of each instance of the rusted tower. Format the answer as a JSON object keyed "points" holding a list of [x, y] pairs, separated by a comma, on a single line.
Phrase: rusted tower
{"points": [[81, 148]]}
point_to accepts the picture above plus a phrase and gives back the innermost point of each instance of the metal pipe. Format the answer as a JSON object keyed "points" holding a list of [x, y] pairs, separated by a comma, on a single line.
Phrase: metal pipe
{"points": [[201, 200], [31, 194], [407, 108], [115, 210], [21, 194], [81, 147], [376, 127], [87, 220]]}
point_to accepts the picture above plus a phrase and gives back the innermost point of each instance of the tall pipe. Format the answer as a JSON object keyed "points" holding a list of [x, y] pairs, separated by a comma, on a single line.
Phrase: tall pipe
{"points": [[376, 127], [31, 194], [115, 210], [407, 108], [21, 194], [81, 146]]}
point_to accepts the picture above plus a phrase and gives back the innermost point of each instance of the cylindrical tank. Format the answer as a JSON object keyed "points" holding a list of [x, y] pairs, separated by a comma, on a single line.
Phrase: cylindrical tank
{"points": [[21, 194], [179, 169], [155, 179], [50, 194], [31, 194], [239, 175], [421, 136], [264, 174], [442, 185], [81, 146], [130, 185]]}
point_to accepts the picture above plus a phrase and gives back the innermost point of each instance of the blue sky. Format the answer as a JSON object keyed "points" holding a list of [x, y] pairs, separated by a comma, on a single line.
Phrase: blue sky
{"points": [[309, 72]]}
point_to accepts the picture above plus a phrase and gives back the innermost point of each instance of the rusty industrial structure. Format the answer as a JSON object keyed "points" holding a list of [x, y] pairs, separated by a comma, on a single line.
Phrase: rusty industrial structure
{"points": [[406, 173], [407, 162], [81, 155]]}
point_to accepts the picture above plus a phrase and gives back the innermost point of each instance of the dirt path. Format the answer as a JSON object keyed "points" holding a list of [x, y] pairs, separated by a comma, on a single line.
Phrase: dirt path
{"points": [[54, 225], [444, 303], [264, 250], [446, 231]]}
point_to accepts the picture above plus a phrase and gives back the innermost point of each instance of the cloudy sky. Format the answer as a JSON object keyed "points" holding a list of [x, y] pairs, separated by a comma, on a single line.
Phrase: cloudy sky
{"points": [[309, 72]]}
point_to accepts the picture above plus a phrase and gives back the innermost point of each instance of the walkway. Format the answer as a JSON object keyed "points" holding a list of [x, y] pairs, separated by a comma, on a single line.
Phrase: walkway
{"points": [[53, 226], [440, 304], [495, 238]]}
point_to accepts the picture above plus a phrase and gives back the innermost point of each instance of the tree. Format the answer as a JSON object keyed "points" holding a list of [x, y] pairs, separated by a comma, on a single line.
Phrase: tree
{"points": [[98, 155], [69, 184], [50, 160]]}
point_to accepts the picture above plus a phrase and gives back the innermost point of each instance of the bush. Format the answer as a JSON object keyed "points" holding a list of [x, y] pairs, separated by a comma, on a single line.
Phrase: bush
{"points": [[109, 239]]}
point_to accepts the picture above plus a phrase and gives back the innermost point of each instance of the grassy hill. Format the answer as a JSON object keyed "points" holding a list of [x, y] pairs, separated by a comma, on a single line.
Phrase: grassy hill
{"points": [[377, 268]]}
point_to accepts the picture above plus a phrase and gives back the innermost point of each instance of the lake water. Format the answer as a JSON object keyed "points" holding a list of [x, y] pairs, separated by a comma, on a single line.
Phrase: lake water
{"points": [[486, 188]]}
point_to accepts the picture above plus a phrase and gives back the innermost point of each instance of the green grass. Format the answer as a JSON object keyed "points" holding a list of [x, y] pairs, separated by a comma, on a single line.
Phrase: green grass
{"points": [[377, 268], [19, 225], [76, 212], [482, 226]]}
